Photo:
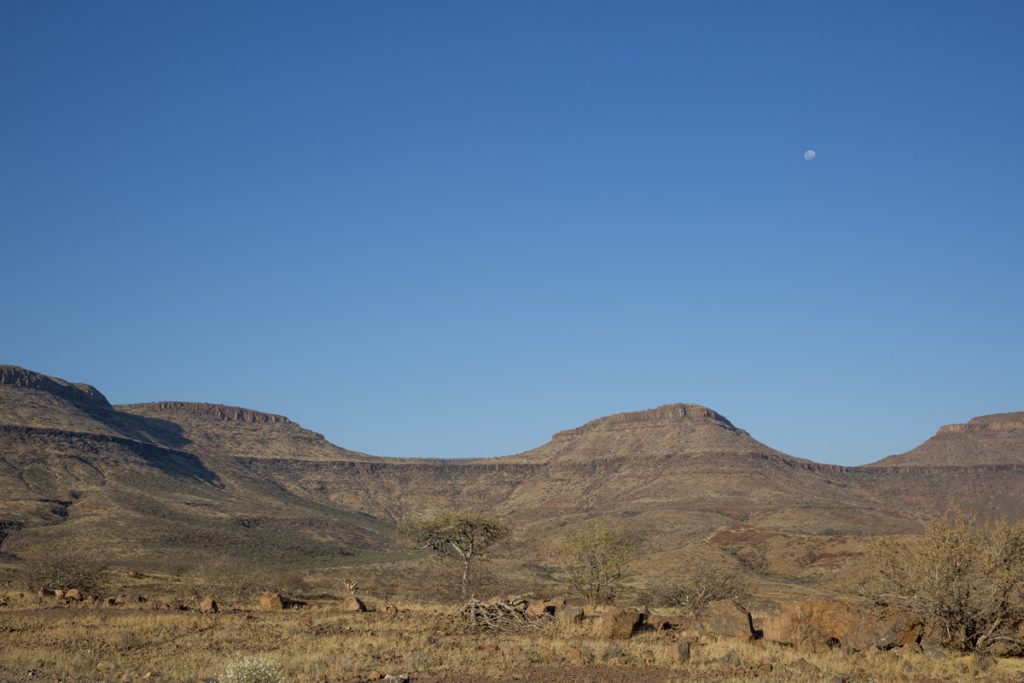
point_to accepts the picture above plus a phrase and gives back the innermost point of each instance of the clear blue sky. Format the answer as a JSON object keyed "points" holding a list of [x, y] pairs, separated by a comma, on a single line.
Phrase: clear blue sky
{"points": [[452, 229]]}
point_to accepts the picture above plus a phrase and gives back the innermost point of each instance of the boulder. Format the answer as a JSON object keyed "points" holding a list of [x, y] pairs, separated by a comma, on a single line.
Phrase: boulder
{"points": [[353, 604], [540, 609], [619, 623], [571, 614], [815, 625], [209, 605], [271, 601], [728, 618], [58, 593], [73, 595]]}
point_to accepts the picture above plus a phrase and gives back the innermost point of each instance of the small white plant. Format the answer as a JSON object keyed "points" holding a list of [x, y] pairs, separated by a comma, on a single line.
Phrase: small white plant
{"points": [[251, 669]]}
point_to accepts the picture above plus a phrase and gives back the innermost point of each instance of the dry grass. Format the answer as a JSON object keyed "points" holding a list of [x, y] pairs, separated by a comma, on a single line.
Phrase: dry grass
{"points": [[322, 643]]}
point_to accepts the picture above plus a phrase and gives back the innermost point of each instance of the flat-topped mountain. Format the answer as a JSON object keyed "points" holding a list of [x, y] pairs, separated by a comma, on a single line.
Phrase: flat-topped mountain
{"points": [[986, 440], [676, 429], [147, 482]]}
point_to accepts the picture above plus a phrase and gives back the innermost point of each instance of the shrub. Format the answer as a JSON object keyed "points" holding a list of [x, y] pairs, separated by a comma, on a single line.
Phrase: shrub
{"points": [[594, 559], [699, 584], [251, 669], [63, 573], [965, 580]]}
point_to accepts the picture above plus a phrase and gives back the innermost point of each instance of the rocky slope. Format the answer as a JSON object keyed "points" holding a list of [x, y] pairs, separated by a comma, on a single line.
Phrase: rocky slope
{"points": [[987, 440], [148, 482]]}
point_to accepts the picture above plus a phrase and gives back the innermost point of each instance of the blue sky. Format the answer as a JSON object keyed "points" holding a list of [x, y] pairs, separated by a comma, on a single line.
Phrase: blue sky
{"points": [[452, 229]]}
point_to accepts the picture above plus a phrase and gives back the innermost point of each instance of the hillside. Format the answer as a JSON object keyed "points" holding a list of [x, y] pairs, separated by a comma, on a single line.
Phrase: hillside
{"points": [[987, 440], [176, 482], [82, 476]]}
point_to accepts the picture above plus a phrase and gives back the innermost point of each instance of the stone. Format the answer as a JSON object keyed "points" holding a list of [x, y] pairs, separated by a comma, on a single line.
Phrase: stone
{"points": [[271, 601], [816, 625], [571, 614], [59, 594], [728, 618], [540, 609], [618, 623], [209, 605], [683, 651], [353, 604], [73, 595]]}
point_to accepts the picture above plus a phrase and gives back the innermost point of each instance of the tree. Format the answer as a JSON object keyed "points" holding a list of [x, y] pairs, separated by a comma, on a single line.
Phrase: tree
{"points": [[463, 535], [594, 559], [964, 579]]}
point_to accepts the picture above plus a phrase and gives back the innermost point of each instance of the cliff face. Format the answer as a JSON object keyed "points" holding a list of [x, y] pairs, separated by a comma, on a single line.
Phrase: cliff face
{"points": [[212, 411], [986, 440], [83, 395]]}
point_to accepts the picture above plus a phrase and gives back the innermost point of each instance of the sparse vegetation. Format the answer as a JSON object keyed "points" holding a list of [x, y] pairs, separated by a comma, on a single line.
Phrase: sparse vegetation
{"points": [[52, 573], [463, 535], [700, 583], [965, 579], [251, 669], [594, 559]]}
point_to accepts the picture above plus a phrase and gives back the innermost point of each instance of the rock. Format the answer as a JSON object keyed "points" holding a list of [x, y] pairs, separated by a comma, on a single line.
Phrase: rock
{"points": [[209, 606], [73, 595], [271, 601], [727, 618], [618, 623], [540, 609], [353, 604], [816, 625], [682, 652], [571, 614], [660, 623], [59, 594], [886, 631], [109, 602]]}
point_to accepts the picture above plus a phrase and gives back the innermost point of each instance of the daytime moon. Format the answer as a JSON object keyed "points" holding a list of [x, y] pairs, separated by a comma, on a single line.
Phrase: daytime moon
{"points": [[809, 155]]}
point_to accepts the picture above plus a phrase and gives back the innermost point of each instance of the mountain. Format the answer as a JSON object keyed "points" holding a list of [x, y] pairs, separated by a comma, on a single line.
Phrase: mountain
{"points": [[987, 440], [170, 483], [78, 475]]}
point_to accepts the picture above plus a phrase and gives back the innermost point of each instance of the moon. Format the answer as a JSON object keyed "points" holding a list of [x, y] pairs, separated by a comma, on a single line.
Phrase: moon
{"points": [[809, 155]]}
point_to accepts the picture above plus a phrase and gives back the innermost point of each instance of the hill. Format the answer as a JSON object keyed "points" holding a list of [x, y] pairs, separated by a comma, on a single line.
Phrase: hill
{"points": [[172, 482], [987, 440]]}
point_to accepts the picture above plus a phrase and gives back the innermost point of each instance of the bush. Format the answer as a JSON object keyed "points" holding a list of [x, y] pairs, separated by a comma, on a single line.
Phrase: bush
{"points": [[594, 558], [63, 573], [251, 669], [965, 580], [699, 584]]}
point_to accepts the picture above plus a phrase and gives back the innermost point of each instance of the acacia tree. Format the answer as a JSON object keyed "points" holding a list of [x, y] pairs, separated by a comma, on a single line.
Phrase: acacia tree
{"points": [[463, 535], [594, 559], [965, 579]]}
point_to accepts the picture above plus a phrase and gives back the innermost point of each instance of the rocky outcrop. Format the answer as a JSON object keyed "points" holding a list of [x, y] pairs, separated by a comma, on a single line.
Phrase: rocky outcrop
{"points": [[619, 623], [821, 625], [655, 417], [214, 411], [82, 395], [1002, 422], [728, 618]]}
